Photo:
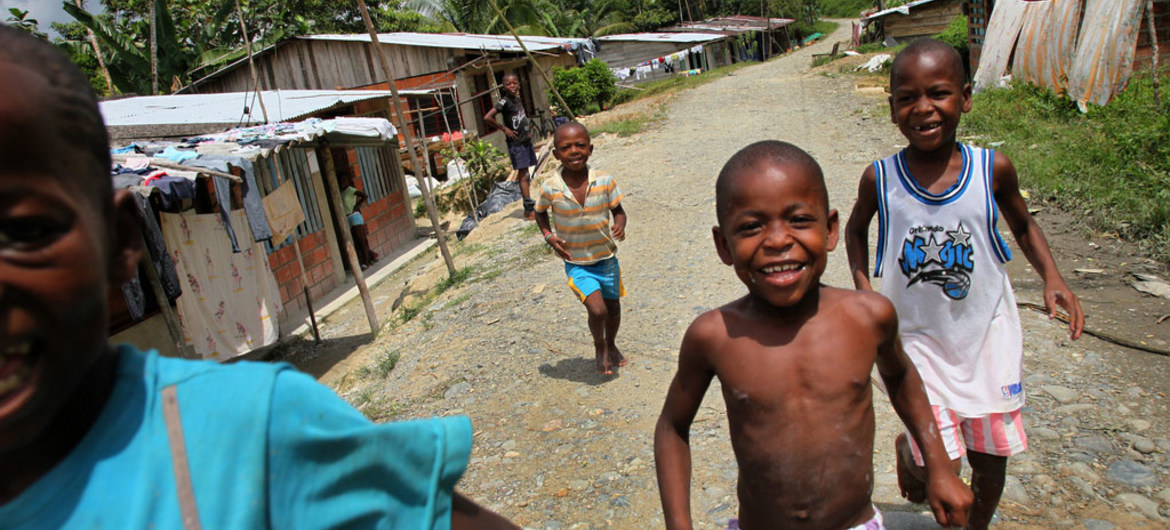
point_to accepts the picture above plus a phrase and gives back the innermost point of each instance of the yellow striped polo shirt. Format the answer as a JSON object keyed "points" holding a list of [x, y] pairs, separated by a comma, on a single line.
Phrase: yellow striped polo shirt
{"points": [[585, 229]]}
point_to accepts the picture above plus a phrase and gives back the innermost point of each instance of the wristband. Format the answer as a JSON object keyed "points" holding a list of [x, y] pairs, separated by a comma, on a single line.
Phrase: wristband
{"points": [[547, 235]]}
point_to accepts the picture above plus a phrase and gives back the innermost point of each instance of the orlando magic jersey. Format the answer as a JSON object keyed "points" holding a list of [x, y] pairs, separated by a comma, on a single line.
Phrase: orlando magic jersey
{"points": [[941, 261]]}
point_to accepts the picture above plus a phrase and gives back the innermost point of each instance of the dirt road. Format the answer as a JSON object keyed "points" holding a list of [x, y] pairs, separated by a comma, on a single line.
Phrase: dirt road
{"points": [[557, 446]]}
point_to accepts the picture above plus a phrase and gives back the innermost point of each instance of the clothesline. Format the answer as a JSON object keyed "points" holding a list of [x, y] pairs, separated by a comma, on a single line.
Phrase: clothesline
{"points": [[670, 63]]}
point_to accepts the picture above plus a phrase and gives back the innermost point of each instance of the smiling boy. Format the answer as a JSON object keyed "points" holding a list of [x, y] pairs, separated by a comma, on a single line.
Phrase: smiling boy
{"points": [[793, 358], [94, 435], [942, 262], [582, 201]]}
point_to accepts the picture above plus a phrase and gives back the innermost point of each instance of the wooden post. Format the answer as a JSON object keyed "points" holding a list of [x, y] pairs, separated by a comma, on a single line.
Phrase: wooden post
{"points": [[350, 255], [551, 86], [1154, 57], [251, 65], [174, 328], [404, 126]]}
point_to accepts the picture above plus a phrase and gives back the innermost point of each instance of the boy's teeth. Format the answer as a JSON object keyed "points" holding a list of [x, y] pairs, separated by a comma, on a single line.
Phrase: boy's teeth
{"points": [[781, 268], [13, 381]]}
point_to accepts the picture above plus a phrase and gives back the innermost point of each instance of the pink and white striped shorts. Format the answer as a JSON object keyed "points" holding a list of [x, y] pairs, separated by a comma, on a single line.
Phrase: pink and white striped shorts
{"points": [[999, 434]]}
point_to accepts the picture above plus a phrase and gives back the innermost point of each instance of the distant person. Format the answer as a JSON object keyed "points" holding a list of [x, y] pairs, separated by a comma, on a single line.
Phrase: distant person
{"points": [[793, 357], [352, 200], [942, 262], [94, 435], [582, 201], [517, 129]]}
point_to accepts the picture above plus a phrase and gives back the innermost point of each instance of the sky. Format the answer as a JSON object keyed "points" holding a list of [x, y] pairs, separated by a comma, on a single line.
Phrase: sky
{"points": [[44, 11]]}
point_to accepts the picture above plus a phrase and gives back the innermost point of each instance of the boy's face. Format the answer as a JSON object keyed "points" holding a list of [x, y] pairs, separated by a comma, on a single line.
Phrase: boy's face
{"points": [[512, 85], [927, 99], [572, 147], [778, 231], [55, 261]]}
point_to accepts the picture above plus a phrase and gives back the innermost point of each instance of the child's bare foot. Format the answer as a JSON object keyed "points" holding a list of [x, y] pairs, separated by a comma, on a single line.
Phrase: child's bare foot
{"points": [[913, 489], [604, 367], [616, 357]]}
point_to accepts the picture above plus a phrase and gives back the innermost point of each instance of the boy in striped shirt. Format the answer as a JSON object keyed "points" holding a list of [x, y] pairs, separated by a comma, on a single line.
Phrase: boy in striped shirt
{"points": [[582, 200]]}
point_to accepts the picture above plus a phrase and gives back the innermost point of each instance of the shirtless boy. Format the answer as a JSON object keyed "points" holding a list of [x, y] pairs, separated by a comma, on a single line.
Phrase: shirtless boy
{"points": [[793, 358]]}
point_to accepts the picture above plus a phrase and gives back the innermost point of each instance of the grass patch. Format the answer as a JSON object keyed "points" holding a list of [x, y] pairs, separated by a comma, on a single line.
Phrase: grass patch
{"points": [[458, 300], [627, 127], [1111, 166], [843, 8], [529, 230], [824, 27], [413, 310], [492, 274], [381, 411], [674, 83], [385, 362], [462, 248]]}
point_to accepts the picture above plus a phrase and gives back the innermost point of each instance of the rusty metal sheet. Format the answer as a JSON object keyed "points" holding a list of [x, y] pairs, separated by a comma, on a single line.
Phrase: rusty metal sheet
{"points": [[1104, 58], [1002, 31], [1047, 43]]}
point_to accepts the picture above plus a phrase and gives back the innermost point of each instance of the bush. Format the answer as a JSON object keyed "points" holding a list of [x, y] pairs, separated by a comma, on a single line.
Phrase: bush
{"points": [[585, 89]]}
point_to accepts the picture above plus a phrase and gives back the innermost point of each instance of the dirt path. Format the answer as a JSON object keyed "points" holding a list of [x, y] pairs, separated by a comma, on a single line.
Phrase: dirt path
{"points": [[557, 446]]}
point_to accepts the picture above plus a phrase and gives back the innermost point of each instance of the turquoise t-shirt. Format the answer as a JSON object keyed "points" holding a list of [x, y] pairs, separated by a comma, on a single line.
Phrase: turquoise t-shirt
{"points": [[268, 447]]}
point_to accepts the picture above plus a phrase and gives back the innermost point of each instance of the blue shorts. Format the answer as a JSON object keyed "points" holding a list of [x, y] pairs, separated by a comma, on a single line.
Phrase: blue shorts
{"points": [[604, 275], [355, 219], [522, 155]]}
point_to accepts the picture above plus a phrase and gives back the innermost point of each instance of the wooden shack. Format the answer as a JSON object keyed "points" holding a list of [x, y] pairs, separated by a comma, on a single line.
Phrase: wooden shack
{"points": [[458, 64], [686, 51], [915, 20]]}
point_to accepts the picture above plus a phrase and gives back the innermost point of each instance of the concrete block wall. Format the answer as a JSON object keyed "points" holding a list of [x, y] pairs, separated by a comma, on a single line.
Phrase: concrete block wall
{"points": [[389, 220]]}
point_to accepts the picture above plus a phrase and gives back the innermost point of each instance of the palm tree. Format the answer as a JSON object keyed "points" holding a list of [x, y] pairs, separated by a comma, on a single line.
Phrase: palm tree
{"points": [[19, 19], [478, 16]]}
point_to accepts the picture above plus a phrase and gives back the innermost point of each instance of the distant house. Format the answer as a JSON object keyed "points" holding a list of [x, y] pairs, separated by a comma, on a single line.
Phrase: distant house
{"points": [[914, 20], [640, 57], [455, 64], [295, 154]]}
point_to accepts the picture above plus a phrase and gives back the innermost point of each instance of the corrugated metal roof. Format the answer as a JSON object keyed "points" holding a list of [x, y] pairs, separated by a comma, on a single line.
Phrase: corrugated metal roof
{"points": [[192, 109], [902, 9], [463, 41], [662, 37]]}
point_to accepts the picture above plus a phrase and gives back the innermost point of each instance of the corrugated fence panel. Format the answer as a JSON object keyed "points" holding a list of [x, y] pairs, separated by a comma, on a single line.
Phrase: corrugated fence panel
{"points": [[1104, 59], [1002, 30], [1047, 44]]}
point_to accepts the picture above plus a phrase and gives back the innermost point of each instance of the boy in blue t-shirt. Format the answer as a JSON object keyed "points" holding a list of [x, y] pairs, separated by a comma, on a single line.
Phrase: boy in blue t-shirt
{"points": [[93, 435]]}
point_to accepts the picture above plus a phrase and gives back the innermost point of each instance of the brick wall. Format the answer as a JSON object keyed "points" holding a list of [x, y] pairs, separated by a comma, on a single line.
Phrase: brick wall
{"points": [[318, 264], [389, 223]]}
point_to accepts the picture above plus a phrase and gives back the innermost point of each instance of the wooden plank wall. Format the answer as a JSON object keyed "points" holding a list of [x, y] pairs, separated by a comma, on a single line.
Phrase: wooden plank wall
{"points": [[923, 21]]}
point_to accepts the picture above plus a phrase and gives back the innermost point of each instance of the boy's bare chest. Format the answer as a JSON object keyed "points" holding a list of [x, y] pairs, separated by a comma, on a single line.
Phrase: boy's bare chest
{"points": [[824, 369]]}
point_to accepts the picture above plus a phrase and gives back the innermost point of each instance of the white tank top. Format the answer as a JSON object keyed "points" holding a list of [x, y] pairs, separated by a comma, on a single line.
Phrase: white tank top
{"points": [[941, 261]]}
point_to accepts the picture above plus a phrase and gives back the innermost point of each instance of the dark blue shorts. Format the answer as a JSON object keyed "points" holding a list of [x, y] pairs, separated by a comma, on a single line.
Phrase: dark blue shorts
{"points": [[522, 155]]}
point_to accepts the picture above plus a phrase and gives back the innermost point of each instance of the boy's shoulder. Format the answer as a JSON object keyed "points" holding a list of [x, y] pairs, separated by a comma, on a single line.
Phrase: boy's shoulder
{"points": [[166, 371]]}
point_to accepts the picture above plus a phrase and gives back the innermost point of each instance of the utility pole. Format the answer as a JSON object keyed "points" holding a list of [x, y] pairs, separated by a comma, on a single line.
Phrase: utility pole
{"points": [[251, 64]]}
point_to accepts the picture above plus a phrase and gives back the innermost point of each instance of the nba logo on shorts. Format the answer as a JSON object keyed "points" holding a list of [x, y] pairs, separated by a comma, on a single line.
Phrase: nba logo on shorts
{"points": [[1011, 390]]}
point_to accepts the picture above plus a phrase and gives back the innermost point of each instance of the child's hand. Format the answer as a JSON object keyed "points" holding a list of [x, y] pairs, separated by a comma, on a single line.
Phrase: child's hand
{"points": [[558, 245], [949, 499], [511, 134], [1060, 295], [618, 231]]}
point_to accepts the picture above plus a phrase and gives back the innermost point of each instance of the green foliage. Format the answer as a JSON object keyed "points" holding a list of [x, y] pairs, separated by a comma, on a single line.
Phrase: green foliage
{"points": [[486, 163], [956, 34], [653, 19], [586, 89], [844, 8], [18, 18], [623, 127], [1111, 166]]}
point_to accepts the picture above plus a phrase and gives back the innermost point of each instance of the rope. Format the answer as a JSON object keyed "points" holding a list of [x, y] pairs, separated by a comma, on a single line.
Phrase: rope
{"points": [[1099, 334]]}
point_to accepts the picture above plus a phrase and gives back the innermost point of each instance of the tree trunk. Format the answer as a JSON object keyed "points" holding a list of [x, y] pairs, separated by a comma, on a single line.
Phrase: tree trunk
{"points": [[97, 51]]}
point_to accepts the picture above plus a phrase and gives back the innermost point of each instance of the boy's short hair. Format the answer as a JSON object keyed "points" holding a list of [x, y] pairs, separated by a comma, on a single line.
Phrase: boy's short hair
{"points": [[782, 153], [926, 46], [511, 74], [72, 110], [570, 125]]}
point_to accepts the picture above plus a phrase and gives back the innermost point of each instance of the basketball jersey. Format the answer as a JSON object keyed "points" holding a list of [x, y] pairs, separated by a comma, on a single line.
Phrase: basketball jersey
{"points": [[941, 261]]}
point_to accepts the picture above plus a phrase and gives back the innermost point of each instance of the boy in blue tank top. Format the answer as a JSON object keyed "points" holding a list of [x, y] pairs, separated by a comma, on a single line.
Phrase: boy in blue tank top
{"points": [[942, 263], [100, 436]]}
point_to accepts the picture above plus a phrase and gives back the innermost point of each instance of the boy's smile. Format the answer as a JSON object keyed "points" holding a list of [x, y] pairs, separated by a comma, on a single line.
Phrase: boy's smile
{"points": [[927, 99], [777, 232], [512, 85]]}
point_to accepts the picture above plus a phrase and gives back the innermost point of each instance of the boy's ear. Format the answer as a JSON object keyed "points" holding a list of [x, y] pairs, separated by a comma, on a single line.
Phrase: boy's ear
{"points": [[125, 239], [893, 117], [967, 98], [721, 245], [832, 237]]}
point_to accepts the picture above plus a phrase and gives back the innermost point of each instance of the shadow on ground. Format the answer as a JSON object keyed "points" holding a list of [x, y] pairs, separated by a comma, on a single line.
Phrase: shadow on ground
{"points": [[895, 518], [316, 359], [578, 370]]}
